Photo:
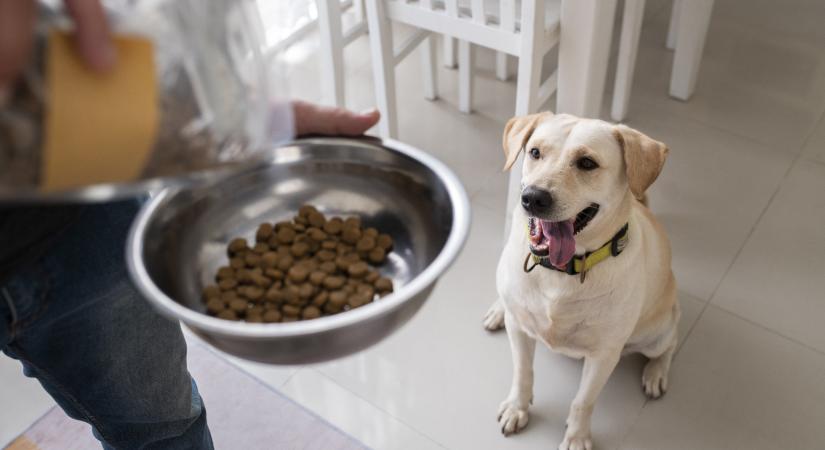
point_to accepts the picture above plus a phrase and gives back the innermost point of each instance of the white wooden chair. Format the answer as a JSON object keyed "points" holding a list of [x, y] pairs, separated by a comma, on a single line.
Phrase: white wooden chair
{"points": [[333, 39], [527, 36], [689, 23]]}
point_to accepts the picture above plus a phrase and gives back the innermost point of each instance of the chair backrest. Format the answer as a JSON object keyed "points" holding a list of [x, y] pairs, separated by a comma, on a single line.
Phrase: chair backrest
{"points": [[473, 22]]}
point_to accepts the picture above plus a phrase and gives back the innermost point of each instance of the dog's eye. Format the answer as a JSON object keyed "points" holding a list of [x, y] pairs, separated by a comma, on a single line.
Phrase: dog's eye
{"points": [[535, 153], [586, 164]]}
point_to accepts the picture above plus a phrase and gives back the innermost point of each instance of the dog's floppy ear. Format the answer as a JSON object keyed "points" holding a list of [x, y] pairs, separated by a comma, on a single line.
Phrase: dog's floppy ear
{"points": [[516, 133], [643, 158]]}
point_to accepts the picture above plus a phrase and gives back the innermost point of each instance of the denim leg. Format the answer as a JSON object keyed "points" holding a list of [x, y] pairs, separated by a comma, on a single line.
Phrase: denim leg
{"points": [[79, 327]]}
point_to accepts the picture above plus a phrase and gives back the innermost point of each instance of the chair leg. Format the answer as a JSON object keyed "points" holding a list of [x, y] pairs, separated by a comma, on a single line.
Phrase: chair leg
{"points": [[502, 71], [332, 51], [428, 59], [465, 76], [694, 20], [449, 52], [628, 46], [383, 67], [673, 28]]}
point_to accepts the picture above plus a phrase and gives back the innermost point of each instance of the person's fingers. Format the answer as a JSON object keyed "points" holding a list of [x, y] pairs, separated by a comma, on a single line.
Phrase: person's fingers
{"points": [[16, 28], [93, 37], [314, 119]]}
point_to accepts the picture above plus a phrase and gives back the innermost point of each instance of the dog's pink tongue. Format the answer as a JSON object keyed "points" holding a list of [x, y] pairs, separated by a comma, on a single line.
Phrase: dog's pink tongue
{"points": [[561, 243]]}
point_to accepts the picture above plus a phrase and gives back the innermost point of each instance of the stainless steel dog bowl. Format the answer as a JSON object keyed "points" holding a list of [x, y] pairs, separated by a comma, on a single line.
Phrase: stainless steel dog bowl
{"points": [[179, 240]]}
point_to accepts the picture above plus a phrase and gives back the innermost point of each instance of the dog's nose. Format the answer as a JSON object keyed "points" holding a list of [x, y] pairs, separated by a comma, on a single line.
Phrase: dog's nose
{"points": [[536, 201]]}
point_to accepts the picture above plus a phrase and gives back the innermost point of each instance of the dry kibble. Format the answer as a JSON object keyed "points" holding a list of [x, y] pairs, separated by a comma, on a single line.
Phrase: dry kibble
{"points": [[238, 305], [372, 276], [351, 235], [272, 315], [237, 245], [306, 210], [225, 272], [215, 305], [333, 282], [228, 314], [227, 283], [384, 241], [365, 244], [333, 226], [298, 274], [286, 235], [317, 277], [211, 291], [352, 222], [316, 219], [291, 310], [299, 249], [311, 312], [383, 285], [320, 298], [358, 269], [377, 255], [252, 259], [300, 270]]}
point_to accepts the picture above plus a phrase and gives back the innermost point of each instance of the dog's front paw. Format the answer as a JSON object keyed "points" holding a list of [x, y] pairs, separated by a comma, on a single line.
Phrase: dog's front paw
{"points": [[576, 442], [654, 378], [494, 318], [512, 417]]}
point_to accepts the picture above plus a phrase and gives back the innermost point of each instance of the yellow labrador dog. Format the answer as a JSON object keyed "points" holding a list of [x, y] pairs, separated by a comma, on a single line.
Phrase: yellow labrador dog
{"points": [[586, 267]]}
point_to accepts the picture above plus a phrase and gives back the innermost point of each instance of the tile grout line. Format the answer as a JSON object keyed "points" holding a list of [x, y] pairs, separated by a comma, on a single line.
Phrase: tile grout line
{"points": [[378, 408], [749, 235], [708, 302]]}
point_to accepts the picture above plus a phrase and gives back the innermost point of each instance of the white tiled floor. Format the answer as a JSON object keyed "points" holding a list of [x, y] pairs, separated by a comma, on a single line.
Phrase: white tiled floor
{"points": [[741, 197]]}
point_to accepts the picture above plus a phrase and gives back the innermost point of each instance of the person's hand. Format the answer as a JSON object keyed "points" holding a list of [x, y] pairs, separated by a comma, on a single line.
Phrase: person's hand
{"points": [[17, 19], [315, 119]]}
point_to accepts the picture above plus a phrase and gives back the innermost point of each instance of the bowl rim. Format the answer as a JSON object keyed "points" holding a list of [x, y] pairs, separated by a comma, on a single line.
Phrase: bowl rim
{"points": [[449, 252]]}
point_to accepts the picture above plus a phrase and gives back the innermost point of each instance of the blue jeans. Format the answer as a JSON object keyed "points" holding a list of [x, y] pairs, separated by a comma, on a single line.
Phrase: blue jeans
{"points": [[76, 324]]}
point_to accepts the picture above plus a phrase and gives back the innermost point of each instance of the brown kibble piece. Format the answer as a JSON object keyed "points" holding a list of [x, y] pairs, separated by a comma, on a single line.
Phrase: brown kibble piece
{"points": [[371, 232], [306, 291], [225, 272], [299, 249], [317, 277], [261, 281], [291, 310], [237, 263], [333, 282], [211, 291], [352, 222], [289, 319], [272, 315], [286, 235], [338, 298], [228, 314], [274, 295], [260, 248], [358, 269], [316, 219], [358, 300], [372, 276], [351, 235], [311, 312], [269, 259], [384, 241], [306, 210], [254, 318], [377, 255], [365, 244], [328, 267], [366, 290], [215, 305], [329, 245], [334, 226], [237, 245], [320, 298], [227, 283], [325, 255], [316, 234], [298, 274], [383, 285], [252, 259], [275, 274], [330, 308], [228, 296], [264, 232], [285, 262], [238, 305], [243, 276], [254, 293]]}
